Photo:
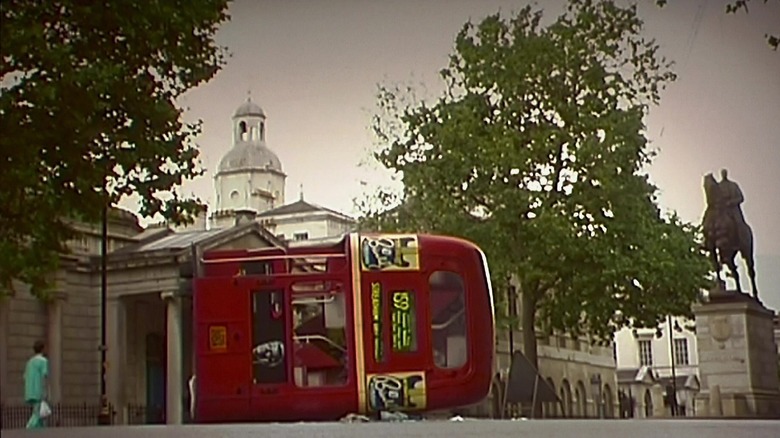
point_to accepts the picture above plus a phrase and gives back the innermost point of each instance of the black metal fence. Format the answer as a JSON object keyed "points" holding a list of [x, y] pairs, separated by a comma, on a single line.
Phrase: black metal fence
{"points": [[63, 415], [141, 414]]}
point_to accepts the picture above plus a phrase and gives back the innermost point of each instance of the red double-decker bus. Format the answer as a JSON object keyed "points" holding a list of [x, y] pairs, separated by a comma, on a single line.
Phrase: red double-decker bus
{"points": [[372, 323]]}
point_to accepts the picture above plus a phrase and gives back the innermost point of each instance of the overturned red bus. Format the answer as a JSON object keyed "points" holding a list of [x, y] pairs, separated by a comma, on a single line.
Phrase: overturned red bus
{"points": [[372, 323]]}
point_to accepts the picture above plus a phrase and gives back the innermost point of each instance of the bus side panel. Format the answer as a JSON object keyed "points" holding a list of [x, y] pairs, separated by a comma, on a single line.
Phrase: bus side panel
{"points": [[223, 362], [470, 383]]}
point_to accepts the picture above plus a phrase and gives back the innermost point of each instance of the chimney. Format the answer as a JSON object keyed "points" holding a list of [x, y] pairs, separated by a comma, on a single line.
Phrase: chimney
{"points": [[245, 216]]}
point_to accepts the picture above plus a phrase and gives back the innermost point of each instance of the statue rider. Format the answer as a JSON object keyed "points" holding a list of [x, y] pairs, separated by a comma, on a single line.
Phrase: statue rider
{"points": [[732, 198]]}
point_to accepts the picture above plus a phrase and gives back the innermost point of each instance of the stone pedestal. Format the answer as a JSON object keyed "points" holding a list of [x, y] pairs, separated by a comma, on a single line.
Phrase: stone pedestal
{"points": [[737, 357]]}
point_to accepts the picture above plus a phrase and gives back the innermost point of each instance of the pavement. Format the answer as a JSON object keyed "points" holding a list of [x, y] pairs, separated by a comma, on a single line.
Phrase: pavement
{"points": [[437, 429]]}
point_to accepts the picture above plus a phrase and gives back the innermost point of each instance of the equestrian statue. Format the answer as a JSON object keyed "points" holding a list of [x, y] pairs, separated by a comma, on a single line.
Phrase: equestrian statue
{"points": [[725, 231]]}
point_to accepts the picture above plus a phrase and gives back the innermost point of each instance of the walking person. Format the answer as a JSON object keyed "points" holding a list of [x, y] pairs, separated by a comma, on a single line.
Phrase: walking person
{"points": [[36, 375]]}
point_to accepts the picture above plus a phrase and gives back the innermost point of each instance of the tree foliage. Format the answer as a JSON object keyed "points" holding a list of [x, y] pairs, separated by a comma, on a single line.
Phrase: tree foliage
{"points": [[536, 151], [88, 99]]}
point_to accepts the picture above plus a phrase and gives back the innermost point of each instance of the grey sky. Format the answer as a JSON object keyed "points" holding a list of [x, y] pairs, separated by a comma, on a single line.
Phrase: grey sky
{"points": [[314, 66]]}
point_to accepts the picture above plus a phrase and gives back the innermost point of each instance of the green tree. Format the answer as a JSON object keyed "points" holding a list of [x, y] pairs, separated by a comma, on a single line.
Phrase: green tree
{"points": [[536, 152], [88, 100]]}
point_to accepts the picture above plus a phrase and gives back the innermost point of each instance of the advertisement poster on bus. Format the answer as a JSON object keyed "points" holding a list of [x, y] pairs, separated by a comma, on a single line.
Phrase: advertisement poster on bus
{"points": [[390, 252], [376, 321], [396, 391]]}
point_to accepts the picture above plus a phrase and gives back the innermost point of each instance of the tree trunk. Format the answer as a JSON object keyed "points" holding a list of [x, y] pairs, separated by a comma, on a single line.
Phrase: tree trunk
{"points": [[529, 341]]}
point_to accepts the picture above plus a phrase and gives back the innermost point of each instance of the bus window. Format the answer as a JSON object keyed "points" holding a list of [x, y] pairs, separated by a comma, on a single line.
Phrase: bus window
{"points": [[448, 320], [268, 326], [319, 333]]}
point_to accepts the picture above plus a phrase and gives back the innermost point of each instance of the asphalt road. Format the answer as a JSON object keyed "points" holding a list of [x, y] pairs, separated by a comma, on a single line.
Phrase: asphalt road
{"points": [[436, 429]]}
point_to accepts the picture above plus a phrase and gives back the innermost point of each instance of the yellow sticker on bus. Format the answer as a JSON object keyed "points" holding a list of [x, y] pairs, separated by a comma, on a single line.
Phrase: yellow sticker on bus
{"points": [[404, 333], [217, 338], [376, 319], [396, 391], [390, 252]]}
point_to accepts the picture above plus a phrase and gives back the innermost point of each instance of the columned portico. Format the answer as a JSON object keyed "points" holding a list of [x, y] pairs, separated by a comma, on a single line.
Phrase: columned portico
{"points": [[116, 325], [54, 346], [173, 372]]}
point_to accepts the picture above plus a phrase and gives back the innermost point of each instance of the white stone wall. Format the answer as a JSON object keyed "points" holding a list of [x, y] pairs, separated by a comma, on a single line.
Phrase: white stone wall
{"points": [[337, 227], [289, 226], [628, 349], [244, 184]]}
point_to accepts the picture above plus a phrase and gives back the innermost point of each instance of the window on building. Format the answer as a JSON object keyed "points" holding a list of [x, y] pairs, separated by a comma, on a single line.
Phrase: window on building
{"points": [[645, 352], [301, 236], [681, 351], [448, 320]]}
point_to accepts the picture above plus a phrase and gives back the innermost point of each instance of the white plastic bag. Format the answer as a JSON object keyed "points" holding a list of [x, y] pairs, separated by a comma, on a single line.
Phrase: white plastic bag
{"points": [[44, 411]]}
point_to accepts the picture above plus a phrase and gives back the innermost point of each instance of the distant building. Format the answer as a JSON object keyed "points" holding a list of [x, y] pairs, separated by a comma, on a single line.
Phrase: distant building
{"points": [[250, 175], [647, 359], [305, 222]]}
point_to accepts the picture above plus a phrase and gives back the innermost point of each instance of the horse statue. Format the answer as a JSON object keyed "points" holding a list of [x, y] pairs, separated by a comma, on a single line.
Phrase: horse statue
{"points": [[726, 232]]}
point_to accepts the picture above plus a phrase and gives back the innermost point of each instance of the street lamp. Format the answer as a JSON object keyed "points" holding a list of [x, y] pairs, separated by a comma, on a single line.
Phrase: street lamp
{"points": [[595, 383], [670, 331], [674, 373], [104, 416]]}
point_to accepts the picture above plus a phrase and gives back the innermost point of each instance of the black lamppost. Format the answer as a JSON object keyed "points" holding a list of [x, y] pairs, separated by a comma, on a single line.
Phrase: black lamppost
{"points": [[104, 416], [674, 373], [510, 291], [670, 331]]}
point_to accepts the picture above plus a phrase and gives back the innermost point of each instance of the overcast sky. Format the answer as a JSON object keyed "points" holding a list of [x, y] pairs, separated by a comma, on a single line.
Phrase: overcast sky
{"points": [[314, 67]]}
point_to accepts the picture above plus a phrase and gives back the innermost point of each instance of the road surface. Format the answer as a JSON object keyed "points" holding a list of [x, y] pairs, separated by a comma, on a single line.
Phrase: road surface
{"points": [[437, 429]]}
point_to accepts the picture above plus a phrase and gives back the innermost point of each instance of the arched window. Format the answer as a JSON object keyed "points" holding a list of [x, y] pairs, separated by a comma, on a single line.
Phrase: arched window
{"points": [[566, 399], [262, 131], [242, 131]]}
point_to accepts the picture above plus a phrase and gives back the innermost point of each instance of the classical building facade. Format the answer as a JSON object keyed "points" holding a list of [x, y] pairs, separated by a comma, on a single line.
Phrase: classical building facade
{"points": [[304, 222], [655, 365]]}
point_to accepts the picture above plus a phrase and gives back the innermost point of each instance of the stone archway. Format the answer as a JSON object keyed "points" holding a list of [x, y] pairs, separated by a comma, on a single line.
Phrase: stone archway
{"points": [[566, 399], [582, 398], [551, 408], [496, 398], [648, 400], [609, 402]]}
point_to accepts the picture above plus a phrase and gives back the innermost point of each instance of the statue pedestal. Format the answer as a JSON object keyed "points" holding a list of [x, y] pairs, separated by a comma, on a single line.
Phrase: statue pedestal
{"points": [[737, 357]]}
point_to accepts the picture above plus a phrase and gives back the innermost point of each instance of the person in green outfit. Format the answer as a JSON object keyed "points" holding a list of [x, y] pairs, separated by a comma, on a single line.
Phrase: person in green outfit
{"points": [[36, 375]]}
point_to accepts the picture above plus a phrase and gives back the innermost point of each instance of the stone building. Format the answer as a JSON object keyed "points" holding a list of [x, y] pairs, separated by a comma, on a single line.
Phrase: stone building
{"points": [[649, 358]]}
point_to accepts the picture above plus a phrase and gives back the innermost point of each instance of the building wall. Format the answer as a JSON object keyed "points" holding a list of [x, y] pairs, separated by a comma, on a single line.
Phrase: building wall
{"points": [[244, 184], [76, 293], [289, 226], [25, 324], [81, 338], [566, 363], [628, 349], [338, 227]]}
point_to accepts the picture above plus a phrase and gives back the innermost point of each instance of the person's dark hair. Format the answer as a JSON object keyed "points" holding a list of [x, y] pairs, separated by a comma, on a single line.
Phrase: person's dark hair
{"points": [[38, 347]]}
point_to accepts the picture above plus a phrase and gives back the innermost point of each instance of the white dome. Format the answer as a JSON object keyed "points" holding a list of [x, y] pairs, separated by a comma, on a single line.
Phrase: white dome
{"points": [[249, 156], [249, 108]]}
